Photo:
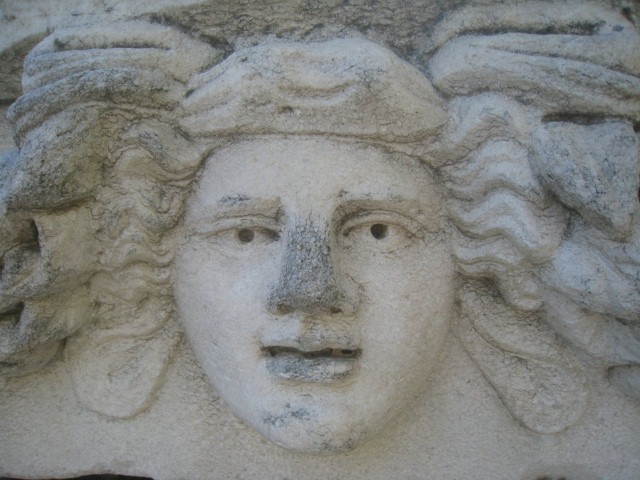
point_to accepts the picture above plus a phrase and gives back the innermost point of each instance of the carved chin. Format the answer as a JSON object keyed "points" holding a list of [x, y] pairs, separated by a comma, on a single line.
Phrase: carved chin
{"points": [[301, 429]]}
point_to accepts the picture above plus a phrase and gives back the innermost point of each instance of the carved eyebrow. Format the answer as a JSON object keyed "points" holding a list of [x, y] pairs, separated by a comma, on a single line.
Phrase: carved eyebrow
{"points": [[234, 199], [397, 201], [239, 205], [412, 208]]}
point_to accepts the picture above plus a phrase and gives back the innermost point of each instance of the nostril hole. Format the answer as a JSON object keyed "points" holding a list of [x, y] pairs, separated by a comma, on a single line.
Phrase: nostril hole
{"points": [[378, 230], [335, 310], [30, 237], [283, 308], [11, 316]]}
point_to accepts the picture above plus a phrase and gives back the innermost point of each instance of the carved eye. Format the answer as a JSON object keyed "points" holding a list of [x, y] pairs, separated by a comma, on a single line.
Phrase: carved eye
{"points": [[382, 232], [235, 236], [379, 230], [246, 235], [256, 234]]}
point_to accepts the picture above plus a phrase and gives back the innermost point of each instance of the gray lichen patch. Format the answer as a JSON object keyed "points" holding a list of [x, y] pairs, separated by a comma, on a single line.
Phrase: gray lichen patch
{"points": [[291, 414], [308, 279]]}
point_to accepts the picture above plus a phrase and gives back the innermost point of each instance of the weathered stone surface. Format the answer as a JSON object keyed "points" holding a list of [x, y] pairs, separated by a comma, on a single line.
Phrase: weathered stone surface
{"points": [[320, 240]]}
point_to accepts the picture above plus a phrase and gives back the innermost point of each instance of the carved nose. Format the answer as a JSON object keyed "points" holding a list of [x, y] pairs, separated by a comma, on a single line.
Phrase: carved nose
{"points": [[308, 280]]}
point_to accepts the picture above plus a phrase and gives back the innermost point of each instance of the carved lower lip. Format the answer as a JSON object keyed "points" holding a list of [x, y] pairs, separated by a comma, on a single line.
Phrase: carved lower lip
{"points": [[322, 366]]}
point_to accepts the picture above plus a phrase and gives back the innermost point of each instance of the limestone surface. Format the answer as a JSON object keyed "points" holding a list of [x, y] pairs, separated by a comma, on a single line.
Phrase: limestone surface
{"points": [[320, 239]]}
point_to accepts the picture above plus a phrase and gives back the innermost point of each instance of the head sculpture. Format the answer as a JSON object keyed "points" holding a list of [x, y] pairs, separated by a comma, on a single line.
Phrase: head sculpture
{"points": [[323, 215], [301, 282]]}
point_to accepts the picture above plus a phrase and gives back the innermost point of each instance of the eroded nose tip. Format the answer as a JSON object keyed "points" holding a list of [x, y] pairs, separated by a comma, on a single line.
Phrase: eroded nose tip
{"points": [[308, 280], [289, 297]]}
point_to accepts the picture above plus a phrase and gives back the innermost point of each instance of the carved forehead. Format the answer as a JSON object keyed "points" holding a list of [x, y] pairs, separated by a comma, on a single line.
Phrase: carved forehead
{"points": [[254, 159], [342, 87], [312, 169]]}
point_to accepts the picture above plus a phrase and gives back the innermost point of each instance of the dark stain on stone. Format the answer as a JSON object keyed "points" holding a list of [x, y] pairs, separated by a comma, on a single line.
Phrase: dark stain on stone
{"points": [[280, 421], [234, 199], [307, 280]]}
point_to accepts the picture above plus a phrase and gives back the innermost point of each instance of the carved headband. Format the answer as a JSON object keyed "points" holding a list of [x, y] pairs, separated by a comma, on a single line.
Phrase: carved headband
{"points": [[347, 88]]}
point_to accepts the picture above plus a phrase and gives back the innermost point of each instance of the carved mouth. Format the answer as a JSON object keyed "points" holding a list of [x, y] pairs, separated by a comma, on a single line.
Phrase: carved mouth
{"points": [[325, 365], [325, 352]]}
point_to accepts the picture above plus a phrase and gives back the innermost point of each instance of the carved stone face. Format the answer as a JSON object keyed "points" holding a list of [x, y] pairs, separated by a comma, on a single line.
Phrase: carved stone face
{"points": [[315, 285]]}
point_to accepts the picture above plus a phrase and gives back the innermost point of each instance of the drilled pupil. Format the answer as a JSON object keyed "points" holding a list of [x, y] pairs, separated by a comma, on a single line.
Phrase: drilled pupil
{"points": [[378, 230], [245, 235]]}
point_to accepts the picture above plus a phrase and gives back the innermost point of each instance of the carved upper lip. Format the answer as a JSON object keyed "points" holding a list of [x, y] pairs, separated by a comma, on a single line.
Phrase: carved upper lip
{"points": [[309, 341]]}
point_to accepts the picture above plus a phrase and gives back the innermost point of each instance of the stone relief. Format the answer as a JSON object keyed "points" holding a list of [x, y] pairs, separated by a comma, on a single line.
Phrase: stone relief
{"points": [[319, 218]]}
